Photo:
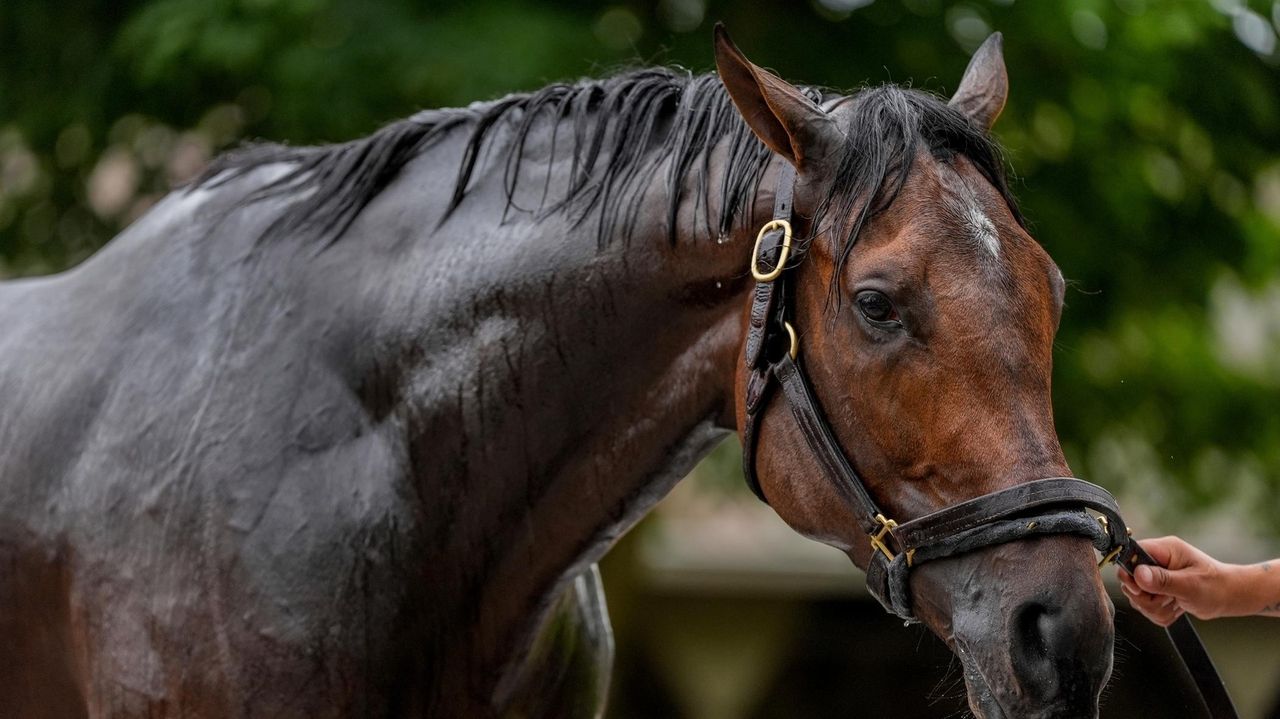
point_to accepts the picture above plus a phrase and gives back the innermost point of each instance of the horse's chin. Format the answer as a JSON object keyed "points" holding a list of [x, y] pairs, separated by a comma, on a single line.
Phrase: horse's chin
{"points": [[984, 703]]}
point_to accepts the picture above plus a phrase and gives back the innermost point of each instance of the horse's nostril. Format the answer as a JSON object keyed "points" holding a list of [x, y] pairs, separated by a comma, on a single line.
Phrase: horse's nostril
{"points": [[1035, 629]]}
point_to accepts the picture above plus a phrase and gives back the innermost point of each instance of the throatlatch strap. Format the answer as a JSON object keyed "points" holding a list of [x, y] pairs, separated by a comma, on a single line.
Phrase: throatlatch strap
{"points": [[826, 449]]}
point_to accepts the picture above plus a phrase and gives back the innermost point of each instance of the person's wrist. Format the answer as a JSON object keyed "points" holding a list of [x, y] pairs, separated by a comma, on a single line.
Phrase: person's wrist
{"points": [[1226, 590], [1267, 589], [1235, 590]]}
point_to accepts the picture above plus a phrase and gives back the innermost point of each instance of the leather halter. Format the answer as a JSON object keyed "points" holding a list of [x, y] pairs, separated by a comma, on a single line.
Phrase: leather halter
{"points": [[1056, 505]]}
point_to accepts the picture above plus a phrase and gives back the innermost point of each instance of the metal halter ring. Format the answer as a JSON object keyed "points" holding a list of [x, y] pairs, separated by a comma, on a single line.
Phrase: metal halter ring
{"points": [[795, 343], [1110, 557], [773, 274]]}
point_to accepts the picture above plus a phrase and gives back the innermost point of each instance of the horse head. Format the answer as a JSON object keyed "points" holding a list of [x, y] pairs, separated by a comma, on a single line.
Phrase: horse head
{"points": [[928, 347]]}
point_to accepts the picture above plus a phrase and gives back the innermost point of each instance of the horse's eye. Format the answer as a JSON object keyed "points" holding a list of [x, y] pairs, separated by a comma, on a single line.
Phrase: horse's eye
{"points": [[877, 308]]}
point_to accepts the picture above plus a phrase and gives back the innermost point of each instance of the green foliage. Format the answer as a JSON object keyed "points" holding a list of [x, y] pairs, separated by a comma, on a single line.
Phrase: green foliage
{"points": [[1145, 135]]}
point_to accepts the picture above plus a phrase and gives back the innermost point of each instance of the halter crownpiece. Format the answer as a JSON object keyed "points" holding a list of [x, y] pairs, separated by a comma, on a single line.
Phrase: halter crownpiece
{"points": [[1055, 505]]}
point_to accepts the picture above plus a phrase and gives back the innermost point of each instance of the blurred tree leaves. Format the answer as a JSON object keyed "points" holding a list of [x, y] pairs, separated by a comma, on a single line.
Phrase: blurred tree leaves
{"points": [[1145, 135]]}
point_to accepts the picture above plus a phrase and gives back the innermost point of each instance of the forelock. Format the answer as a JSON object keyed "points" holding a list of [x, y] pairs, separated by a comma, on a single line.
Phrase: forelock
{"points": [[886, 128]]}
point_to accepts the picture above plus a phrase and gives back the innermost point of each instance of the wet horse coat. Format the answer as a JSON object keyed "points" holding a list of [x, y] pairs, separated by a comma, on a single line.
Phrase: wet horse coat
{"points": [[249, 474], [341, 431]]}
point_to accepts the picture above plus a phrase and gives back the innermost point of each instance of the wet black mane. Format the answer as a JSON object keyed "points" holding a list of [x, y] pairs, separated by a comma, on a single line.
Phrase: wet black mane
{"points": [[620, 132]]}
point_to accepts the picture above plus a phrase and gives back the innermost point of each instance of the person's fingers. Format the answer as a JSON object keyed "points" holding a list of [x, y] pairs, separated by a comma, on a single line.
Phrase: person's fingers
{"points": [[1126, 581], [1159, 549], [1158, 580], [1190, 580], [1148, 604], [1132, 590], [1166, 617], [1163, 615], [1155, 591], [1171, 552]]}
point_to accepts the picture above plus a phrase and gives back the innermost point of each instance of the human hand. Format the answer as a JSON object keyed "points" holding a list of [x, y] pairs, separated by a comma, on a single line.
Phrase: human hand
{"points": [[1191, 581]]}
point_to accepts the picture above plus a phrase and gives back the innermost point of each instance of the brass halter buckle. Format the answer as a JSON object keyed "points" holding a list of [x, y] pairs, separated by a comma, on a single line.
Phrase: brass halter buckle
{"points": [[771, 275], [1111, 556], [877, 539]]}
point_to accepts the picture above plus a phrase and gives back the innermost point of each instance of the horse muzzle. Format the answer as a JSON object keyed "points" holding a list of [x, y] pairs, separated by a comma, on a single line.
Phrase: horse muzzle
{"points": [[1031, 624]]}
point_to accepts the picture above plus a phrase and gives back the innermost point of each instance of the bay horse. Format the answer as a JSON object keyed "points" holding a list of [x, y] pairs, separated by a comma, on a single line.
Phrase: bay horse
{"points": [[341, 431]]}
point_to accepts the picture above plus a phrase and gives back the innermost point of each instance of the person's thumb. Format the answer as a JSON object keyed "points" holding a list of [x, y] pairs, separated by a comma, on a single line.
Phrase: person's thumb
{"points": [[1158, 580]]}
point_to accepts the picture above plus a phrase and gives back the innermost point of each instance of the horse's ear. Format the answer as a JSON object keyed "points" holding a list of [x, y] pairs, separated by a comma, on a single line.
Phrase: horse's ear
{"points": [[985, 85], [777, 112]]}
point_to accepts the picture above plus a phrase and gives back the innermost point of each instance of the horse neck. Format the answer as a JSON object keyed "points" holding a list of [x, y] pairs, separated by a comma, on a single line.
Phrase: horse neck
{"points": [[554, 384]]}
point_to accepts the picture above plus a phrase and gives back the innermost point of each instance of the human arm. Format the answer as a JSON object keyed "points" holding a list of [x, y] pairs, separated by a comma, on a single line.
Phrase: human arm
{"points": [[1197, 583]]}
